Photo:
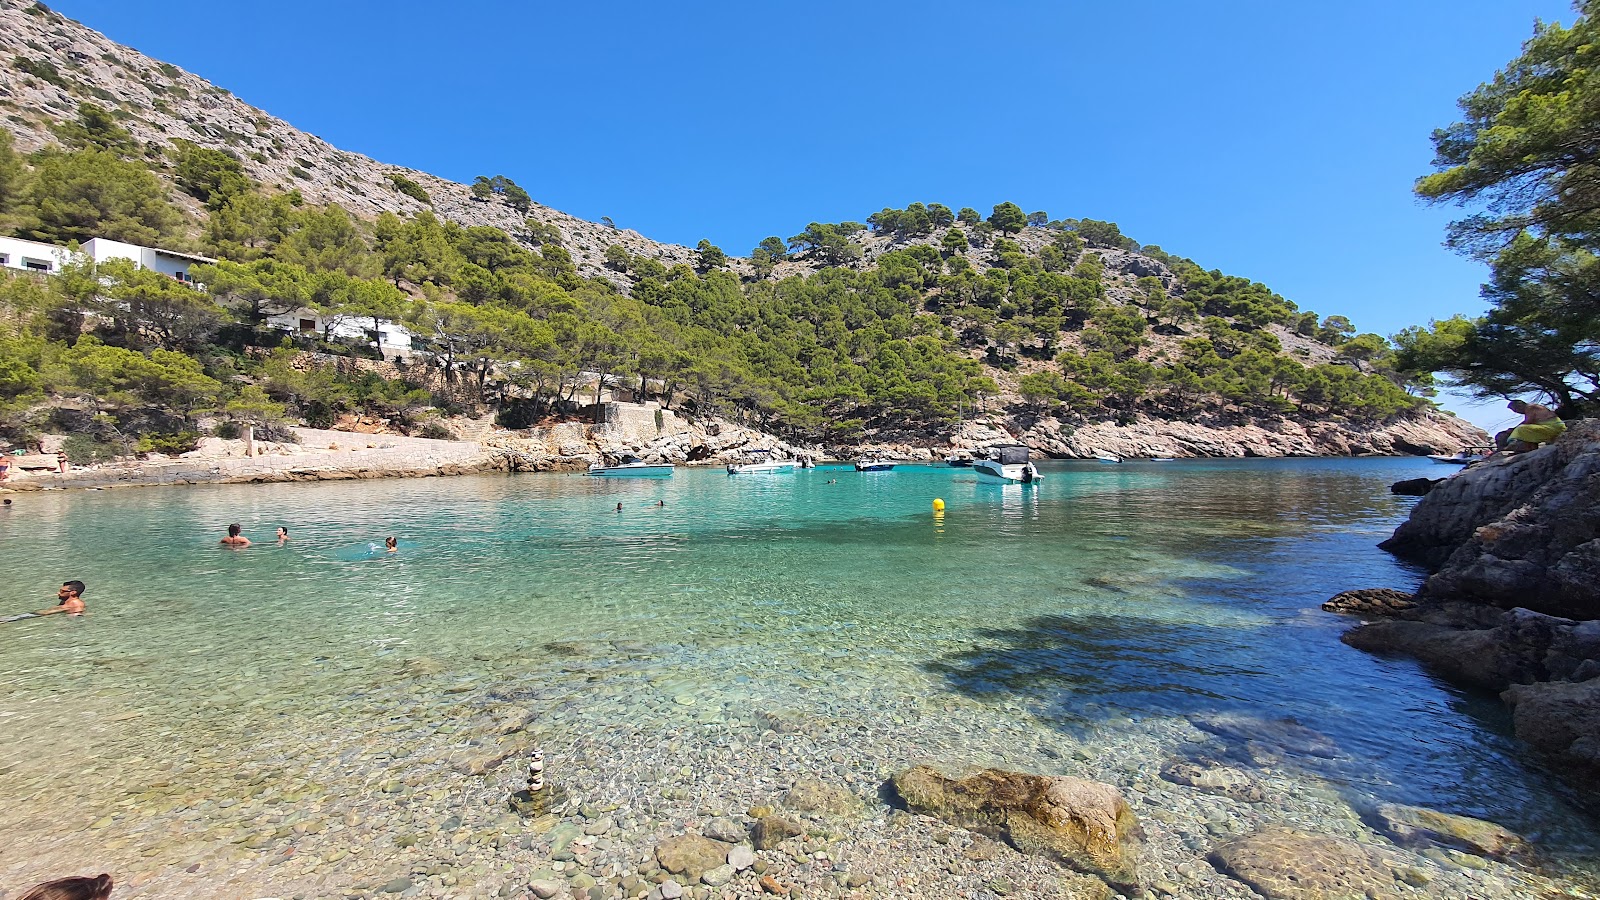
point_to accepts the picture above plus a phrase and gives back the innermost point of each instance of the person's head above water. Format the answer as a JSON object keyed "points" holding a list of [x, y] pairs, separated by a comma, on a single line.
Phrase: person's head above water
{"points": [[619, 507], [234, 529], [79, 888], [283, 533], [75, 588], [393, 543]]}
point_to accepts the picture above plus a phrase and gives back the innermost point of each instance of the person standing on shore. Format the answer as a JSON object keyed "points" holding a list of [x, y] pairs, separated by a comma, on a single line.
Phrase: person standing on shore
{"points": [[234, 538]]}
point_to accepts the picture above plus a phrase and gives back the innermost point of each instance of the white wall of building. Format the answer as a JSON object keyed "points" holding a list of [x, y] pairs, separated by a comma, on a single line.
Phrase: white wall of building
{"points": [[396, 338], [32, 256], [167, 262]]}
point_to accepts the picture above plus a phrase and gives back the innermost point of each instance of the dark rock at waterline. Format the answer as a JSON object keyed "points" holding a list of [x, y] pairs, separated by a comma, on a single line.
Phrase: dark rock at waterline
{"points": [[1414, 487], [1521, 647], [1286, 864], [1084, 824], [1370, 602], [1562, 721]]}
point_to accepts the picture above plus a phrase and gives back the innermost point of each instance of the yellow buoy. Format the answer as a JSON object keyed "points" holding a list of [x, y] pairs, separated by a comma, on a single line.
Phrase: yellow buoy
{"points": [[938, 505]]}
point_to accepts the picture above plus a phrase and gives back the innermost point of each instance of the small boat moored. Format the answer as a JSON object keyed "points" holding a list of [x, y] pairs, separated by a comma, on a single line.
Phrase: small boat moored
{"points": [[760, 462], [1107, 457], [1464, 456], [873, 463], [633, 466], [1009, 464]]}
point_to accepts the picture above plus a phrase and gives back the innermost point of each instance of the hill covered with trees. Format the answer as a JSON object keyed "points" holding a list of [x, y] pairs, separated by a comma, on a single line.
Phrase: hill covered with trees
{"points": [[896, 328]]}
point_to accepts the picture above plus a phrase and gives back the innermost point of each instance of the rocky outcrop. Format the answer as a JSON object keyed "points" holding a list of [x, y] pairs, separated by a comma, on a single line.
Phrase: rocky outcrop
{"points": [[1513, 604], [1225, 438], [1084, 824], [1371, 601], [1515, 530], [1419, 828]]}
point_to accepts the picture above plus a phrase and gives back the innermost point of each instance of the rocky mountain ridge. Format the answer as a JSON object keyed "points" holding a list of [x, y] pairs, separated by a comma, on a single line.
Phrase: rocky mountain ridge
{"points": [[50, 64]]}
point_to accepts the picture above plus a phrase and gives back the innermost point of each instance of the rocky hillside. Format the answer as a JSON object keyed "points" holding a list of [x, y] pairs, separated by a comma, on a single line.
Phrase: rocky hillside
{"points": [[50, 65]]}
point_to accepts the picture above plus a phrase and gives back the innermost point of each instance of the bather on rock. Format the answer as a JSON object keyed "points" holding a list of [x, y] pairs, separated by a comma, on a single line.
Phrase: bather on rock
{"points": [[1539, 425]]}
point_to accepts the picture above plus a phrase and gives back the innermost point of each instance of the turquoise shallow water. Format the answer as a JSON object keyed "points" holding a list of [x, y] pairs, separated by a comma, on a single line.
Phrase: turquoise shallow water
{"points": [[1098, 604]]}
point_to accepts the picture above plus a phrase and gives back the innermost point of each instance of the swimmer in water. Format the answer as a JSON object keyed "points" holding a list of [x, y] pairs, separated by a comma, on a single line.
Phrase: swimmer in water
{"points": [[619, 507], [234, 538], [283, 535], [391, 544], [661, 503], [69, 600]]}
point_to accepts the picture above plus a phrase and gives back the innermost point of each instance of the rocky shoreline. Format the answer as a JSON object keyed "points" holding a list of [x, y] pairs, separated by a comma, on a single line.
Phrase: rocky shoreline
{"points": [[1512, 602], [658, 435]]}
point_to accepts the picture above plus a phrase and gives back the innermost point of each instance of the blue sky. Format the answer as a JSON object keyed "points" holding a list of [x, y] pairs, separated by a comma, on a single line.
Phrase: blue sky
{"points": [[1273, 140]]}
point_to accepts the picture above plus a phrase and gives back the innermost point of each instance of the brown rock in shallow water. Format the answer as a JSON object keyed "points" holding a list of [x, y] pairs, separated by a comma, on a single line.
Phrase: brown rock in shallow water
{"points": [[1370, 602], [812, 795], [770, 831], [1419, 828], [1284, 864], [691, 855], [1084, 824]]}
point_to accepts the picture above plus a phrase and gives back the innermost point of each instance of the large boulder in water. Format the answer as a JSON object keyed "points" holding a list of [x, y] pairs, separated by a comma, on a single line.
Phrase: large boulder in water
{"points": [[1286, 864], [1561, 720], [1513, 531], [1083, 824]]}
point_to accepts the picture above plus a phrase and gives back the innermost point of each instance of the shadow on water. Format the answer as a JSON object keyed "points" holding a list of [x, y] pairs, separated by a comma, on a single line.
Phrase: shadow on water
{"points": [[1356, 729]]}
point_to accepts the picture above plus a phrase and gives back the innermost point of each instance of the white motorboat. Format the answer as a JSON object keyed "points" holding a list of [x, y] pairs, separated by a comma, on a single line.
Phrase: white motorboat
{"points": [[1463, 457], [1106, 457], [874, 464], [634, 467], [958, 460], [1008, 464], [760, 462]]}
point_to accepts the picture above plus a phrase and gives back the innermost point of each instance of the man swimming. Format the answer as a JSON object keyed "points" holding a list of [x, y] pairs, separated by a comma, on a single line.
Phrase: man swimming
{"points": [[70, 599], [234, 538]]}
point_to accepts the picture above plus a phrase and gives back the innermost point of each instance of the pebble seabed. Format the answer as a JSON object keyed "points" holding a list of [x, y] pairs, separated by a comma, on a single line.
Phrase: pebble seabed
{"points": [[401, 788]]}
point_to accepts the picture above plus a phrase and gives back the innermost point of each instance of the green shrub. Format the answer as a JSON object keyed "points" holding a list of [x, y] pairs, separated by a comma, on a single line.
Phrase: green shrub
{"points": [[84, 450], [169, 444], [225, 429], [300, 173], [41, 69], [437, 431], [408, 187]]}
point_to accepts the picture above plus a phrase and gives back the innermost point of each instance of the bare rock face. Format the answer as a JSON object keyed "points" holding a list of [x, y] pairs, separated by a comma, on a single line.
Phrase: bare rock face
{"points": [[1084, 824], [1370, 602], [1516, 531], [1523, 647], [1285, 864]]}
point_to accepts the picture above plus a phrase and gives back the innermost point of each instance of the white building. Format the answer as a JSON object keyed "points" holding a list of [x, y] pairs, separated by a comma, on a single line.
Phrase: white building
{"points": [[167, 262], [396, 338], [32, 256]]}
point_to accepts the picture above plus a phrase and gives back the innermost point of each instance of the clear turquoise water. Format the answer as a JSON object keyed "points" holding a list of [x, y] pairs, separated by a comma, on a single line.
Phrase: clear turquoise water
{"points": [[1095, 607]]}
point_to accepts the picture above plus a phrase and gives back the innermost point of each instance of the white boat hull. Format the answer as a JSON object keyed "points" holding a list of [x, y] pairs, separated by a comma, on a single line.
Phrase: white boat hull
{"points": [[1015, 473], [776, 467], [634, 470]]}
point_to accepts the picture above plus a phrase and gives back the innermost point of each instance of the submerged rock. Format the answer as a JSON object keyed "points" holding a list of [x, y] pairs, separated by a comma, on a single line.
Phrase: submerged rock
{"points": [[1084, 824], [1418, 828], [691, 855], [1414, 487], [1214, 779], [1286, 735], [1285, 864], [814, 795]]}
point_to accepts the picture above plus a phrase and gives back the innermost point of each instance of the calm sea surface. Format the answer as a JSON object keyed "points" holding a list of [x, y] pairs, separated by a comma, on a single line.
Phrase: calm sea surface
{"points": [[1104, 602]]}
